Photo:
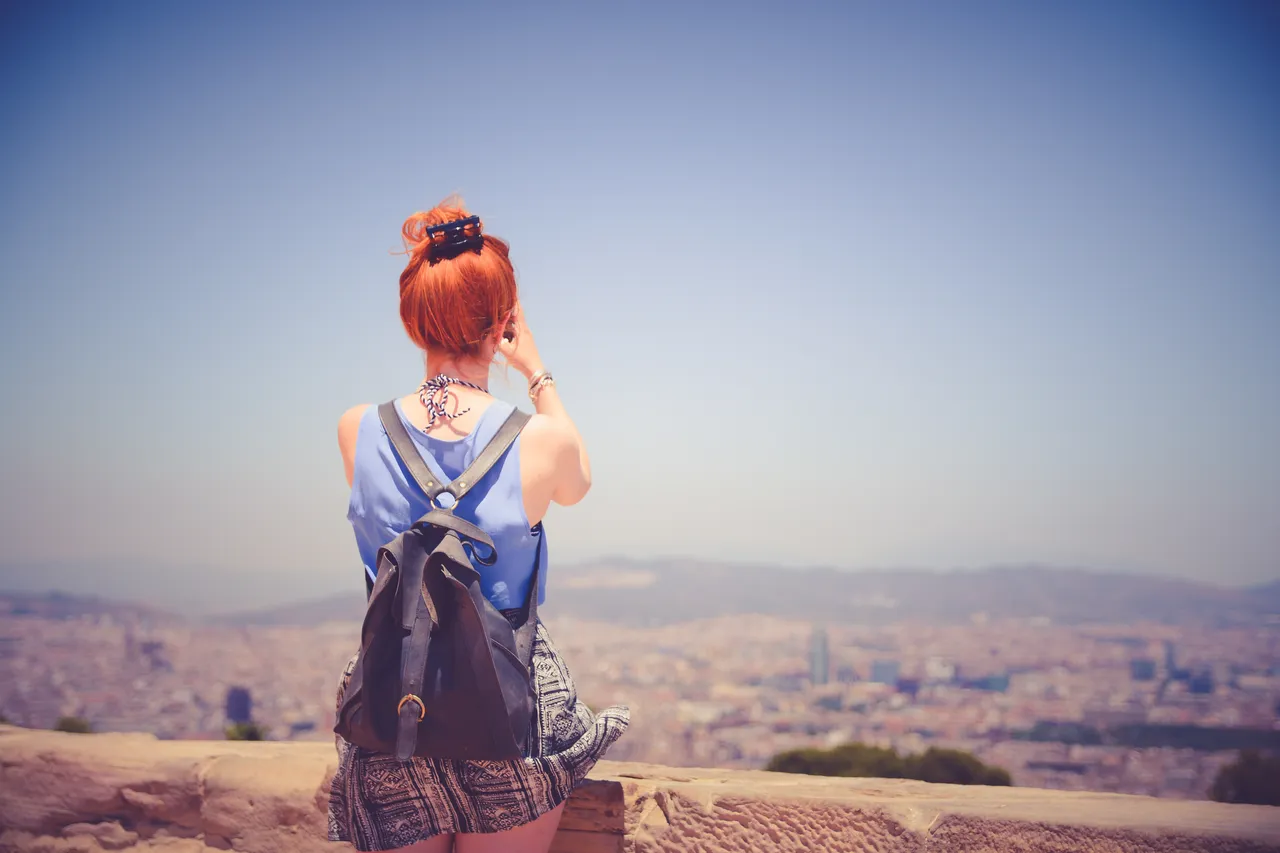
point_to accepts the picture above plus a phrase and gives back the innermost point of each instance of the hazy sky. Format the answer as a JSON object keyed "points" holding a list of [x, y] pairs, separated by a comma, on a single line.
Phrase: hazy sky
{"points": [[862, 284]]}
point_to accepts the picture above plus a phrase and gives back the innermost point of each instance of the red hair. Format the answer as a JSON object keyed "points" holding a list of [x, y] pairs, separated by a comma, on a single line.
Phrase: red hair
{"points": [[453, 304]]}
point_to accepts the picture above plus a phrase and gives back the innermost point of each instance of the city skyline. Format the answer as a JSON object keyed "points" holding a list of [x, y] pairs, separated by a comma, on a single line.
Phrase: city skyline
{"points": [[1135, 706], [1011, 273]]}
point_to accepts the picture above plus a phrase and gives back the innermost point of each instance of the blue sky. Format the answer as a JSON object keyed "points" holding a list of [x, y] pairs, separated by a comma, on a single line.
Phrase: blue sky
{"points": [[938, 285]]}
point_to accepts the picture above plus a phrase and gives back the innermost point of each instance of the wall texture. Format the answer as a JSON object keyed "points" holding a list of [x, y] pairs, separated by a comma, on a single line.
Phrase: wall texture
{"points": [[130, 792]]}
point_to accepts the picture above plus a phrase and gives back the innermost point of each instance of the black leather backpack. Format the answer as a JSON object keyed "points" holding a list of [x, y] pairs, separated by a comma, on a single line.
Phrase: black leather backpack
{"points": [[441, 672]]}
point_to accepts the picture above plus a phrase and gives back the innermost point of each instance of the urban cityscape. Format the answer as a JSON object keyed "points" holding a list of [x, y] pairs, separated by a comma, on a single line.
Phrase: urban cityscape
{"points": [[1146, 708]]}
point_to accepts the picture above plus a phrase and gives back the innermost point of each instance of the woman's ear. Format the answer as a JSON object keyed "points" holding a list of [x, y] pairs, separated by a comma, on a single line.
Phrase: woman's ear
{"points": [[493, 344], [509, 325]]}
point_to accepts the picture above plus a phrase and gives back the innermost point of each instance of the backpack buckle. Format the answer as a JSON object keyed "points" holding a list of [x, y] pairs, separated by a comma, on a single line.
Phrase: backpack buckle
{"points": [[422, 709]]}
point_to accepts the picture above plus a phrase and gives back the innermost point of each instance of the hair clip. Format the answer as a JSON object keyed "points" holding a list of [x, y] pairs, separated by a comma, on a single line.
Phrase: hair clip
{"points": [[456, 240]]}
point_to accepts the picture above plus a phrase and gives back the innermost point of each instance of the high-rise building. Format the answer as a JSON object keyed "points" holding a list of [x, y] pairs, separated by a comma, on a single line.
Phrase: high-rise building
{"points": [[819, 658], [884, 672], [239, 705]]}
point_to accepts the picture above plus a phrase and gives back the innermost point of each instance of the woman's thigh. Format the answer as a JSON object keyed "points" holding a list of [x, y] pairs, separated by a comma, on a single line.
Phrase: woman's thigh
{"points": [[532, 837]]}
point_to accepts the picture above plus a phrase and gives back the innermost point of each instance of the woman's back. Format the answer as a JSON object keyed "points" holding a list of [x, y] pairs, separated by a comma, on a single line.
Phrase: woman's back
{"points": [[385, 500]]}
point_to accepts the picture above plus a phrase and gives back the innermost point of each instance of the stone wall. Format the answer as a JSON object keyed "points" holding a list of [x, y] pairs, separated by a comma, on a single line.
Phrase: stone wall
{"points": [[130, 792]]}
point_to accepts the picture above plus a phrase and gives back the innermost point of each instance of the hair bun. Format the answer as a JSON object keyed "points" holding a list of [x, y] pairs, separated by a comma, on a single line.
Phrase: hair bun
{"points": [[445, 231], [450, 239]]}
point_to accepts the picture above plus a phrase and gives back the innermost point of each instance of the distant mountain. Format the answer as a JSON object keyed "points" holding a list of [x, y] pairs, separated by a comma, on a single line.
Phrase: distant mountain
{"points": [[678, 590], [657, 592], [347, 607], [1267, 596], [190, 589], [61, 605]]}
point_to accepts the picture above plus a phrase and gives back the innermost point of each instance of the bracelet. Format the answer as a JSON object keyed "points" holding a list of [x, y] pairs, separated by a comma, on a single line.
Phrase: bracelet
{"points": [[535, 387], [536, 378]]}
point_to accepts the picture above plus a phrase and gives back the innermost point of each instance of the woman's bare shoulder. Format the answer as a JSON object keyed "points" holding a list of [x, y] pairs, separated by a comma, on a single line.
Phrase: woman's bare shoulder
{"points": [[545, 434], [349, 426], [348, 432], [552, 446]]}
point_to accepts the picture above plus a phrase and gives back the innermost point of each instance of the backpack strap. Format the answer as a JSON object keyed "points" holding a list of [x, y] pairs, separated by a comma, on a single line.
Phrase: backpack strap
{"points": [[485, 459], [463, 483], [408, 451], [529, 622]]}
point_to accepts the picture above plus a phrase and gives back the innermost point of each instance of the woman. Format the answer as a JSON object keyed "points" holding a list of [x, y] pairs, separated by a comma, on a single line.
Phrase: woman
{"points": [[458, 302]]}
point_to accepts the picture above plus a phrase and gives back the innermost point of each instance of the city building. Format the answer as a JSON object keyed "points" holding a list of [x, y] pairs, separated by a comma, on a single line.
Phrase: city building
{"points": [[239, 705], [819, 657], [1201, 682], [993, 683], [884, 672], [939, 670], [1142, 669], [846, 674]]}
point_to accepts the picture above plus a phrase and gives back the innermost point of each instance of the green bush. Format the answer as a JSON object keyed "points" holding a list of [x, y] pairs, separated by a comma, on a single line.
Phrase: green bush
{"points": [[857, 759], [951, 766], [76, 725], [850, 759], [246, 731], [1252, 778]]}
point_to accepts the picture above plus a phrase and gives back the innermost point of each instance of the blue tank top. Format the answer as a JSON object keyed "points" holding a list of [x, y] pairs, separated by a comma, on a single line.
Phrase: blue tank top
{"points": [[385, 500]]}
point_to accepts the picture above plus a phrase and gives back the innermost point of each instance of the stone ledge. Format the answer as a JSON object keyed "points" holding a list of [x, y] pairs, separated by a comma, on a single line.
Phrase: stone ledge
{"points": [[65, 793]]}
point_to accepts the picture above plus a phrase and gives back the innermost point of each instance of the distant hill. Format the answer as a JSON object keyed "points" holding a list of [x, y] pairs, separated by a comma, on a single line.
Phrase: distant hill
{"points": [[189, 589], [347, 607], [683, 590], [1268, 595], [634, 592], [61, 605]]}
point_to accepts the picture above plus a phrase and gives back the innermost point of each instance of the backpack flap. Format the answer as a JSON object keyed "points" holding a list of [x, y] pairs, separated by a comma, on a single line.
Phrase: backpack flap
{"points": [[418, 618], [478, 696]]}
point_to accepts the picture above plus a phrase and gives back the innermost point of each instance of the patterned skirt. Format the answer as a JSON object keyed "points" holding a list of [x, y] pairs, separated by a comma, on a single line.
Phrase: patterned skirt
{"points": [[377, 802]]}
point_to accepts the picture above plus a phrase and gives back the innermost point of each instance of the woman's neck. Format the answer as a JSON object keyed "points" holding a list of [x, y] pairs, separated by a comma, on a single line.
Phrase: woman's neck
{"points": [[469, 370]]}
